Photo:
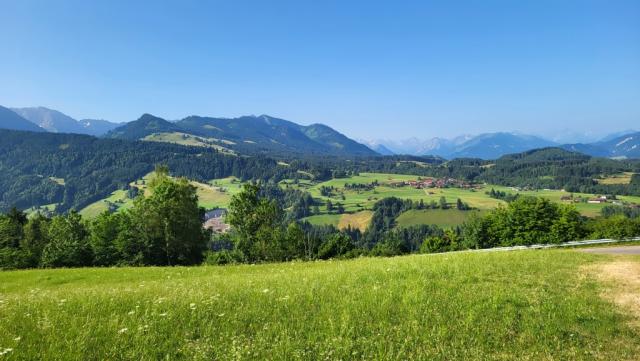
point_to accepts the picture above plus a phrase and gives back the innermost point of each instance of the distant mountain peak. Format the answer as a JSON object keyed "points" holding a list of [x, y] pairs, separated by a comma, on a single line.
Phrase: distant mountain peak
{"points": [[57, 122]]}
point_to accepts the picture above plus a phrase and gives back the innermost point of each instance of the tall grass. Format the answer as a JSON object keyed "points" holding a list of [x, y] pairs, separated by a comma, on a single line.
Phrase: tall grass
{"points": [[517, 305]]}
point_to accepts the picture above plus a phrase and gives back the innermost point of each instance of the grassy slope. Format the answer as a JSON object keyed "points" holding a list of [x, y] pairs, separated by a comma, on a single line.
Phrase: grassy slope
{"points": [[515, 305], [217, 193], [188, 139]]}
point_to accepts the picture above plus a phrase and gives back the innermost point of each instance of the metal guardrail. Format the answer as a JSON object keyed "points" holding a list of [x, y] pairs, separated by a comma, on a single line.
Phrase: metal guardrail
{"points": [[566, 244]]}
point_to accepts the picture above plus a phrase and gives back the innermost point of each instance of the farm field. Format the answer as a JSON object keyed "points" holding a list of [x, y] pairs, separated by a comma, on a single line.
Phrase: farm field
{"points": [[358, 220], [443, 218], [356, 200], [587, 209], [474, 306]]}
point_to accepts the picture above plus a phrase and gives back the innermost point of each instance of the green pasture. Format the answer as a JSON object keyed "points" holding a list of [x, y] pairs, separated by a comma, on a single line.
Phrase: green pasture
{"points": [[524, 305]]}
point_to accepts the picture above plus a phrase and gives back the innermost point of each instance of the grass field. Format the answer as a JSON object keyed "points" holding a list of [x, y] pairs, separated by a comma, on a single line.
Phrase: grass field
{"points": [[365, 199], [526, 305], [217, 193], [188, 139], [623, 178], [443, 218], [587, 209]]}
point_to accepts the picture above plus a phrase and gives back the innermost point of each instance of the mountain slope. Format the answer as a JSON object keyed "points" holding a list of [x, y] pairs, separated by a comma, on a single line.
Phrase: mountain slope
{"points": [[147, 124], [251, 134], [11, 120], [627, 145], [58, 122]]}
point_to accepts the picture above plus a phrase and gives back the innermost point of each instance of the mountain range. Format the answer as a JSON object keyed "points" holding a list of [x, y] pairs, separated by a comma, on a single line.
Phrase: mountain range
{"points": [[269, 135], [247, 134], [58, 122], [494, 145]]}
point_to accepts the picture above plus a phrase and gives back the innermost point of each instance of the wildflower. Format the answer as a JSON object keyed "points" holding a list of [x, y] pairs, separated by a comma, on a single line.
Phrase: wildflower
{"points": [[265, 290], [123, 330]]}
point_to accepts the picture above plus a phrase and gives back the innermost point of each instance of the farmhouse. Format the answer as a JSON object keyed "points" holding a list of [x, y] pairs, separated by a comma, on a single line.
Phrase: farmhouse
{"points": [[214, 220], [215, 213], [597, 200]]}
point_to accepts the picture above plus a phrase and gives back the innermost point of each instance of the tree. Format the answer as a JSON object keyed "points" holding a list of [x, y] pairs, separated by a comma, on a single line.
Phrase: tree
{"points": [[336, 245], [329, 206], [169, 222], [104, 231], [443, 203], [68, 243], [256, 222]]}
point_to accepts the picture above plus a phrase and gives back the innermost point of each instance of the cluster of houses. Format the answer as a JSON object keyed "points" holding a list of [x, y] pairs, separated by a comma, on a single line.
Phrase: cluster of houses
{"points": [[214, 220], [594, 200], [434, 183]]}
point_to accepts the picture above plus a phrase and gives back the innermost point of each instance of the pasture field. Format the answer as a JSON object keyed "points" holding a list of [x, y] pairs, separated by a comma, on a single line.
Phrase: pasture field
{"points": [[622, 178], [356, 200], [216, 193], [189, 140], [523, 305], [441, 217], [587, 209]]}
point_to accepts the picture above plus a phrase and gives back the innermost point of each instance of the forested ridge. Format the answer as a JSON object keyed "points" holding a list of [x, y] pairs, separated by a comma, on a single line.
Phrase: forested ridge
{"points": [[92, 168], [74, 170]]}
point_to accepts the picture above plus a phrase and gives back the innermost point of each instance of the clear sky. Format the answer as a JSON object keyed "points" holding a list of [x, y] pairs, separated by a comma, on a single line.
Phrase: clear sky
{"points": [[370, 69]]}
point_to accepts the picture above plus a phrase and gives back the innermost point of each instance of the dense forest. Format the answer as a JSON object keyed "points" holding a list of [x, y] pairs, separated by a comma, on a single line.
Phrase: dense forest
{"points": [[76, 170]]}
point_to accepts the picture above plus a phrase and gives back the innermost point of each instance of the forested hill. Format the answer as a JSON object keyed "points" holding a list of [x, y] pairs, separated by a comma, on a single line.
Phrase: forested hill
{"points": [[76, 170], [556, 168], [250, 135]]}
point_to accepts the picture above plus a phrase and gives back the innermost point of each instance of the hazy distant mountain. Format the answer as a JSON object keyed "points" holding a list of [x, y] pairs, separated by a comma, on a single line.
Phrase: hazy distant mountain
{"points": [[10, 120], [97, 126], [58, 122], [627, 146], [255, 134], [381, 149], [486, 146], [495, 145]]}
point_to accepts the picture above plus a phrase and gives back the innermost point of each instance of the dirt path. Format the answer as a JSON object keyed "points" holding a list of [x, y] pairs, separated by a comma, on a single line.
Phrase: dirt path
{"points": [[622, 280], [613, 250]]}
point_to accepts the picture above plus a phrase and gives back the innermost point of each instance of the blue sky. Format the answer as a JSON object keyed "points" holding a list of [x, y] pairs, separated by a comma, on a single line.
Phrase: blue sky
{"points": [[369, 69]]}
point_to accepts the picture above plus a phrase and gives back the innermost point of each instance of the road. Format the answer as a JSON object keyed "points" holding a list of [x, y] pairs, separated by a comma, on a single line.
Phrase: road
{"points": [[613, 250]]}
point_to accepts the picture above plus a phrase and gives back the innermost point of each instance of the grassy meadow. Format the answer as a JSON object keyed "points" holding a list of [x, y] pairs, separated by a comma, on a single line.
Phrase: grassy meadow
{"points": [[441, 217], [538, 305], [216, 193]]}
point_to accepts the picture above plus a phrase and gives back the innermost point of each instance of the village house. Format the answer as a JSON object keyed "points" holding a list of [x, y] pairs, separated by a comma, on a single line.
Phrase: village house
{"points": [[214, 220]]}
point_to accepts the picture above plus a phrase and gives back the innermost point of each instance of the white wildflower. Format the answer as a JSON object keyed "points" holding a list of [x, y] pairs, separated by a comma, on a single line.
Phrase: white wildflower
{"points": [[123, 330]]}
